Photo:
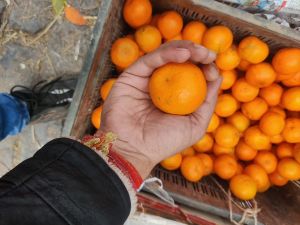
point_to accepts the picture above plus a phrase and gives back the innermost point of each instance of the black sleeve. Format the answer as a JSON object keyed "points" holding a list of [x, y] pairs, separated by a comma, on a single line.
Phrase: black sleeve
{"points": [[63, 183]]}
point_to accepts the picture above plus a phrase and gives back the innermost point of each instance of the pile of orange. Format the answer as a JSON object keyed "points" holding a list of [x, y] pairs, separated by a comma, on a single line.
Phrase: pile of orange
{"points": [[253, 139]]}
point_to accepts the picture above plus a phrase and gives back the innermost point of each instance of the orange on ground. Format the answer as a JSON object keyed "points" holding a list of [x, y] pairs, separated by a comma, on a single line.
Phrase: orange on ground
{"points": [[194, 31], [219, 150], [229, 77], [178, 93], [239, 121], [253, 50], [218, 38], [271, 123], [271, 94], [154, 20], [229, 59], [292, 81], [287, 61], [296, 152], [170, 24], [276, 139], [277, 180], [284, 150], [205, 144], [243, 91], [227, 136], [225, 166], [291, 131], [106, 87], [261, 75], [207, 161], [243, 187], [256, 139], [124, 52], [291, 99], [213, 124], [289, 168], [178, 37], [226, 105], [74, 16], [267, 160], [172, 163], [259, 175], [244, 65], [255, 109], [245, 152], [148, 38], [137, 12], [192, 168], [96, 117], [278, 110], [188, 152]]}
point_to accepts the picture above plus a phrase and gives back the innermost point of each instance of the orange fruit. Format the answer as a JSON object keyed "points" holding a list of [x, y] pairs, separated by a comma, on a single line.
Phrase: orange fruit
{"points": [[213, 124], [271, 94], [226, 105], [192, 168], [239, 121], [170, 24], [291, 99], [74, 16], [255, 109], [227, 135], [207, 161], [256, 139], [278, 110], [243, 65], [243, 91], [292, 81], [219, 150], [240, 169], [245, 152], [188, 152], [154, 20], [225, 166], [296, 152], [291, 131], [178, 93], [243, 187], [284, 150], [267, 160], [259, 175], [229, 59], [137, 12], [218, 38], [277, 180], [106, 87], [194, 31], [289, 168], [253, 50], [172, 163], [276, 139], [124, 52], [96, 117], [271, 123], [261, 75], [281, 77], [178, 37], [287, 61], [205, 144], [229, 77], [148, 38]]}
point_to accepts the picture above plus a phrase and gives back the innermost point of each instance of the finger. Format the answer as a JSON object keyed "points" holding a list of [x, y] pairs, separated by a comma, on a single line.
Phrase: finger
{"points": [[200, 54], [211, 72]]}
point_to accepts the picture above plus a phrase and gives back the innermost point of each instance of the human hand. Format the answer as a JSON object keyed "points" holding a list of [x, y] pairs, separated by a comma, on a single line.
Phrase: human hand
{"points": [[147, 135]]}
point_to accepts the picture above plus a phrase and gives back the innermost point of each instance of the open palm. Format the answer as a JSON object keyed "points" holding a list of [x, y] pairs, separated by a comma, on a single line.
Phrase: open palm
{"points": [[147, 135]]}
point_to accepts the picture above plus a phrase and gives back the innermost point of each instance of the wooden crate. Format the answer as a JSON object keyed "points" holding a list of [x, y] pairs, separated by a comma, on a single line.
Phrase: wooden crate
{"points": [[279, 205]]}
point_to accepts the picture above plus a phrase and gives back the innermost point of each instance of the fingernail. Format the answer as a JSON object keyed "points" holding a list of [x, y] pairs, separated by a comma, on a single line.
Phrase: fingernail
{"points": [[212, 55], [198, 46]]}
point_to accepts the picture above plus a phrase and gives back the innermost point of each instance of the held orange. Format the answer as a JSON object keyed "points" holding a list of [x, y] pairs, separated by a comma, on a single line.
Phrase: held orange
{"points": [[106, 87], [192, 168], [256, 139], [291, 131], [229, 77], [227, 135], [271, 94], [245, 152], [267, 160], [172, 163], [207, 161], [243, 91], [254, 109], [272, 123], [218, 38], [137, 12], [253, 50], [261, 75], [170, 24], [194, 31], [291, 99], [259, 175], [205, 144], [243, 187], [96, 117], [225, 166], [229, 59], [277, 180], [178, 93], [213, 124], [226, 105], [148, 38], [239, 121], [287, 61], [289, 169], [188, 152]]}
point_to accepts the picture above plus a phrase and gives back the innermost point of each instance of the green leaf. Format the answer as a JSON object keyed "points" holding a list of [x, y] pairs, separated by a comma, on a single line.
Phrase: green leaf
{"points": [[58, 6]]}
